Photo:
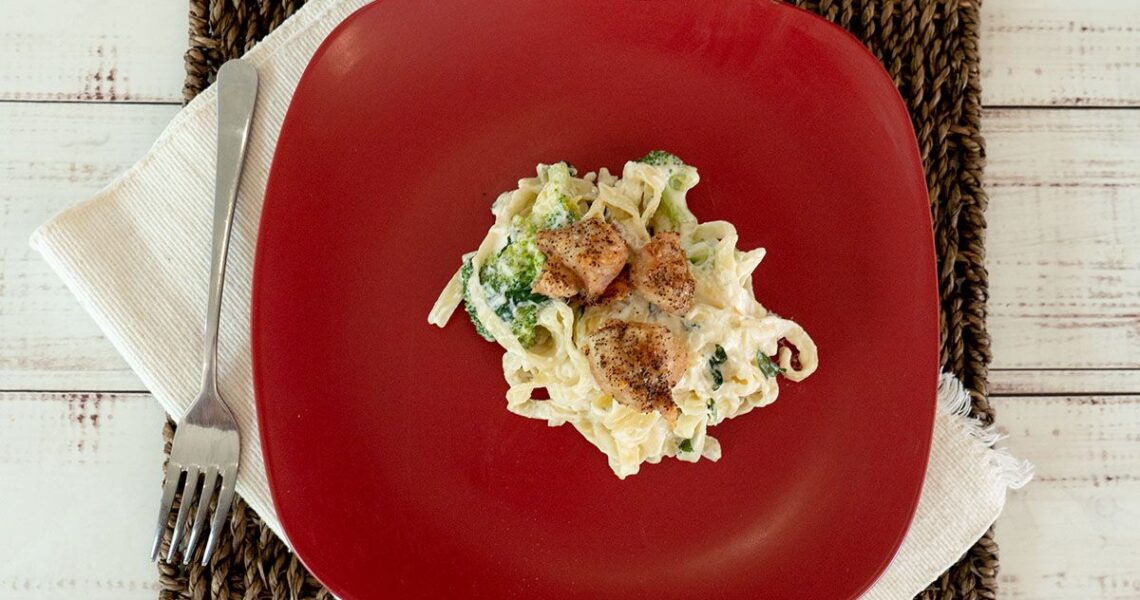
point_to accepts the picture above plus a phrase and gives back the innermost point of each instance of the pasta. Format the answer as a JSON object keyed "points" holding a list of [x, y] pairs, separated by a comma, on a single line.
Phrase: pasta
{"points": [[695, 321]]}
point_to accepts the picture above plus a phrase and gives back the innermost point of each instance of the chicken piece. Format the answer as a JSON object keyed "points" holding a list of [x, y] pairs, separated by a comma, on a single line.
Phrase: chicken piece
{"points": [[618, 290], [557, 281], [660, 271], [592, 249], [638, 364]]}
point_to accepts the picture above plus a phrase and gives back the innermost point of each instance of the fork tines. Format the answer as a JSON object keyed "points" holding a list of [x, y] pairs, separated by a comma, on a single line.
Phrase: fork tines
{"points": [[197, 482]]}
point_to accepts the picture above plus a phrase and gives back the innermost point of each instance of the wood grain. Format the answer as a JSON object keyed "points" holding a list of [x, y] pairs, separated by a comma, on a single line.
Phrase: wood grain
{"points": [[1061, 53], [1064, 258], [106, 51], [1023, 382], [54, 155], [1064, 238], [1036, 52], [1074, 532], [81, 474]]}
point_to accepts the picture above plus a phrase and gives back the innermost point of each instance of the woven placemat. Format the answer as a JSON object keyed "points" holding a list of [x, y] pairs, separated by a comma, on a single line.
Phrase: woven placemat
{"points": [[930, 48]]}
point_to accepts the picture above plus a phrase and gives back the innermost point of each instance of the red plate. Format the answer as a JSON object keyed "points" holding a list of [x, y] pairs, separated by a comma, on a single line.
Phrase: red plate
{"points": [[397, 470]]}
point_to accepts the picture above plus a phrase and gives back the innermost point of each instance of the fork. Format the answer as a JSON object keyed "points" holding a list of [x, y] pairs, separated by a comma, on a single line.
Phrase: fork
{"points": [[207, 443]]}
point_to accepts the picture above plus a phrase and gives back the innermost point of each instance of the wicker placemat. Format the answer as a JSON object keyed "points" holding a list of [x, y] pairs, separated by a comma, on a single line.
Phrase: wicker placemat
{"points": [[930, 48]]}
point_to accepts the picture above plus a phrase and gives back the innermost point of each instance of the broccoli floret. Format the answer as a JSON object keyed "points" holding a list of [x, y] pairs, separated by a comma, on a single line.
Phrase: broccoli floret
{"points": [[553, 208], [509, 276], [661, 158], [516, 266], [465, 276], [673, 212], [507, 279], [526, 321]]}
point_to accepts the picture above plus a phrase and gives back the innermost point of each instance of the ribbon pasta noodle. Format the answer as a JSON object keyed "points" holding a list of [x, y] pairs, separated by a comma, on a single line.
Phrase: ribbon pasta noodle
{"points": [[735, 350]]}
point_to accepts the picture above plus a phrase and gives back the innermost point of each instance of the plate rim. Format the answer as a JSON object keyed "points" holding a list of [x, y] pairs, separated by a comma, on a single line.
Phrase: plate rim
{"points": [[933, 300]]}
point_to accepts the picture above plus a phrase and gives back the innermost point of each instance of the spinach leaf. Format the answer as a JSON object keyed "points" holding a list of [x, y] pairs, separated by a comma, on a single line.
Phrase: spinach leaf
{"points": [[767, 367], [718, 358]]}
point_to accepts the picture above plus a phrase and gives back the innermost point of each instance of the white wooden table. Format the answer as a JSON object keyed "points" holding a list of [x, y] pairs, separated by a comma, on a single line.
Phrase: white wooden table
{"points": [[85, 87]]}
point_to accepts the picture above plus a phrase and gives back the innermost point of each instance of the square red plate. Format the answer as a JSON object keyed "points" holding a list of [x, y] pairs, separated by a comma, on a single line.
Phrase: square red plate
{"points": [[396, 469]]}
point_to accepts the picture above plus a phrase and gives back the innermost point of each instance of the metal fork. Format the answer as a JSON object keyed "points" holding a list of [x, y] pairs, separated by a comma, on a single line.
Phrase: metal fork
{"points": [[207, 444]]}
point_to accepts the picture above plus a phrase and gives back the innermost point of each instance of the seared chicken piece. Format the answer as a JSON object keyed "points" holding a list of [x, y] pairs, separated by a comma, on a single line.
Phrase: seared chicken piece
{"points": [[557, 281], [592, 249], [660, 271], [638, 364], [618, 290]]}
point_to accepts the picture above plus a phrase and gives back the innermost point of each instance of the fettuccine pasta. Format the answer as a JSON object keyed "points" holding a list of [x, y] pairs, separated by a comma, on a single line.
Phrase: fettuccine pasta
{"points": [[639, 321]]}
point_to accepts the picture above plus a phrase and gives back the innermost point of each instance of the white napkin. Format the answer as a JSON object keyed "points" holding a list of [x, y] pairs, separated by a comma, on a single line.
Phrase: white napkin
{"points": [[137, 258]]}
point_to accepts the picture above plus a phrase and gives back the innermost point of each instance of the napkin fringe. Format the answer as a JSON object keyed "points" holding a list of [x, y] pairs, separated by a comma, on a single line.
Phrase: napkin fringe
{"points": [[1010, 471]]}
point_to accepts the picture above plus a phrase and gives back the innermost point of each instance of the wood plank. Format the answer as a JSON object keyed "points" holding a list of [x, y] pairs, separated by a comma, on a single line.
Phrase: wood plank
{"points": [[1071, 533], [1064, 238], [113, 50], [1061, 52], [81, 477], [54, 155], [1022, 382], [1074, 532], [1035, 52]]}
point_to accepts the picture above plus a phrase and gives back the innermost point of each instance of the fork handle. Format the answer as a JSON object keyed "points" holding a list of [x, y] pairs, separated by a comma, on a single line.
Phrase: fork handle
{"points": [[237, 93]]}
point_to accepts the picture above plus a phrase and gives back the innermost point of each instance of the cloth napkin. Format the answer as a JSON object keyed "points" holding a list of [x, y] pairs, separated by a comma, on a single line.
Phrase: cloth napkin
{"points": [[137, 257]]}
